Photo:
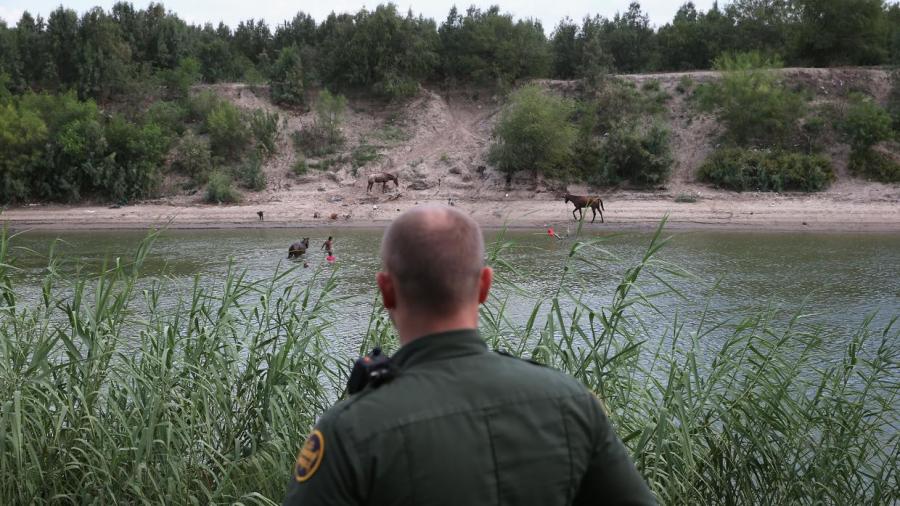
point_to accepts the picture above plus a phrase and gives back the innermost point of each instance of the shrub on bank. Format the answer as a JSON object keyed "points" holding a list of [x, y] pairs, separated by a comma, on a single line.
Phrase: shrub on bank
{"points": [[534, 133], [754, 107], [219, 189], [742, 169], [865, 125], [265, 126], [191, 157], [876, 164], [642, 157], [228, 134], [249, 173]]}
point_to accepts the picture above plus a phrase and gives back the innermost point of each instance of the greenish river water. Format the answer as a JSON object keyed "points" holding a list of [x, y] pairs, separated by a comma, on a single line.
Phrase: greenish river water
{"points": [[836, 280]]}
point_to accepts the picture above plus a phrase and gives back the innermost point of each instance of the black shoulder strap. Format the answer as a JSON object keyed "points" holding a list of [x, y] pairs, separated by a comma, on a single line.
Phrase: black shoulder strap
{"points": [[373, 369]]}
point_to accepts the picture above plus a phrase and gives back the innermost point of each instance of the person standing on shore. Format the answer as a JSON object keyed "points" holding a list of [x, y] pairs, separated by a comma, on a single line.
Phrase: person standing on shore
{"points": [[447, 422]]}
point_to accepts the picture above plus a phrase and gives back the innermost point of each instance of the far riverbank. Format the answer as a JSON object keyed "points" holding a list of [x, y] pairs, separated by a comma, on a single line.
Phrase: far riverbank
{"points": [[749, 211]]}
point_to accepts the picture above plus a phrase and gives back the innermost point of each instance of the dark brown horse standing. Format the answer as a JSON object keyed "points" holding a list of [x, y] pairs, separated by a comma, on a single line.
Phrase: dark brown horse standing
{"points": [[384, 178], [595, 203], [298, 248]]}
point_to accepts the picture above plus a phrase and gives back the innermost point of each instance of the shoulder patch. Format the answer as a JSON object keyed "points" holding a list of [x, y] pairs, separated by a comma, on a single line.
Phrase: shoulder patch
{"points": [[310, 457]]}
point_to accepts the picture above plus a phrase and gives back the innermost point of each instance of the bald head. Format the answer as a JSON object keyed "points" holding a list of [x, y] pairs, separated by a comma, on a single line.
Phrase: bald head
{"points": [[435, 255]]}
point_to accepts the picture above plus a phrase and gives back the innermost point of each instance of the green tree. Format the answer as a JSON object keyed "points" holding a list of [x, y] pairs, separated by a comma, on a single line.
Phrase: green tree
{"points": [[379, 50], [286, 81], [534, 133], [22, 138], [489, 47], [630, 40], [330, 109], [103, 56], [191, 157], [216, 61], [565, 49], [841, 32], [62, 32], [866, 123], [228, 134], [756, 109], [179, 80]]}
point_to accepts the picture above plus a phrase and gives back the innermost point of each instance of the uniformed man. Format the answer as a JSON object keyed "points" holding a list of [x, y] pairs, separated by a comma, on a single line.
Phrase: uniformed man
{"points": [[448, 422]]}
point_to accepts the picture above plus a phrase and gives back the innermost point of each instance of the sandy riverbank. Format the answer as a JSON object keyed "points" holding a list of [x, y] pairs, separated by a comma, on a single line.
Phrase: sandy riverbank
{"points": [[824, 212]]}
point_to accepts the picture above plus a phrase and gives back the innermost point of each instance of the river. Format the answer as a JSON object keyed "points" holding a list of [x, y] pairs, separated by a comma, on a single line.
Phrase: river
{"points": [[834, 280]]}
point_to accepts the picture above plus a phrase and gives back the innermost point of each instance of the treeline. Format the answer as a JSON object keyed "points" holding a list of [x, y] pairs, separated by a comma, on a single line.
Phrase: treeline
{"points": [[103, 54]]}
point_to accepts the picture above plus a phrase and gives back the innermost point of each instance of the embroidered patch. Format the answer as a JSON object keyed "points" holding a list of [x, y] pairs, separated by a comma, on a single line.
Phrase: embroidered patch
{"points": [[310, 457]]}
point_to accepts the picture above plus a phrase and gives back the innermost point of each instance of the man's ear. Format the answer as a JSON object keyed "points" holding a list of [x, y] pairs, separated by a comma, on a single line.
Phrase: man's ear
{"points": [[386, 287], [484, 283]]}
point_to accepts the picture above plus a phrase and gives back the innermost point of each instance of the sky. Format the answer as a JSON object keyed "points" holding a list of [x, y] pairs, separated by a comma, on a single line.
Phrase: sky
{"points": [[277, 11]]}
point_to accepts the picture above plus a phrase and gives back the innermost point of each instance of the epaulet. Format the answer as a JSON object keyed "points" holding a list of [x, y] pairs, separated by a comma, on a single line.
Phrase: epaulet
{"points": [[510, 355]]}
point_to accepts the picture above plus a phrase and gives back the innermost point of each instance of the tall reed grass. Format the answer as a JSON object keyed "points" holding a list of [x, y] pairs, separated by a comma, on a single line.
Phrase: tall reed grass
{"points": [[108, 396]]}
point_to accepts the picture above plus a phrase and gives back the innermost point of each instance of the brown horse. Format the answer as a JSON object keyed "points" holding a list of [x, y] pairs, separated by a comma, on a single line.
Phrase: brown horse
{"points": [[595, 203], [298, 248], [384, 178]]}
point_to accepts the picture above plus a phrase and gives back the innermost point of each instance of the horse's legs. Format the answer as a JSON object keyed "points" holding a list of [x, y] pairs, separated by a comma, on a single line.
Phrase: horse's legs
{"points": [[573, 214], [601, 215], [594, 217], [369, 187], [384, 187]]}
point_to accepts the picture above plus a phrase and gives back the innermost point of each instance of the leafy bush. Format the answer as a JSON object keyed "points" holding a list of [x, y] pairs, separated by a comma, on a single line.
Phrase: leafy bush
{"points": [[754, 107], [644, 158], [201, 105], [875, 164], [762, 170], [250, 175], [265, 126], [178, 81], [533, 133], [59, 148], [286, 81], [685, 83], [300, 167], [650, 85], [137, 153], [865, 123], [228, 133], [191, 157], [219, 189], [170, 116], [23, 136], [329, 115], [894, 97]]}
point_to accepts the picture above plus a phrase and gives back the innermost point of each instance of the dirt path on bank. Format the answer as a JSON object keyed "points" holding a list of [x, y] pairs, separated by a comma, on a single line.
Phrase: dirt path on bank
{"points": [[623, 210]]}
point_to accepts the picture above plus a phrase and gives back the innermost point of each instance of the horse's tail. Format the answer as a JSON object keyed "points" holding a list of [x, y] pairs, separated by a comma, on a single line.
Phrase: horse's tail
{"points": [[601, 203]]}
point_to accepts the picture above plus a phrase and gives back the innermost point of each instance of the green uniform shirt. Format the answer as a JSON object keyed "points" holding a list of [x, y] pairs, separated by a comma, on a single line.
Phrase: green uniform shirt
{"points": [[461, 426]]}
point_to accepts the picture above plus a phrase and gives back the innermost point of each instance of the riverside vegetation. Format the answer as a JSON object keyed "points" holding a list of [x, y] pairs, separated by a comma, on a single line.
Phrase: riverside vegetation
{"points": [[109, 397], [98, 106]]}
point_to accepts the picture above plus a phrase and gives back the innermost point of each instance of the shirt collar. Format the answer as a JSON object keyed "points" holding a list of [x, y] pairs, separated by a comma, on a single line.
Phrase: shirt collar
{"points": [[439, 346]]}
